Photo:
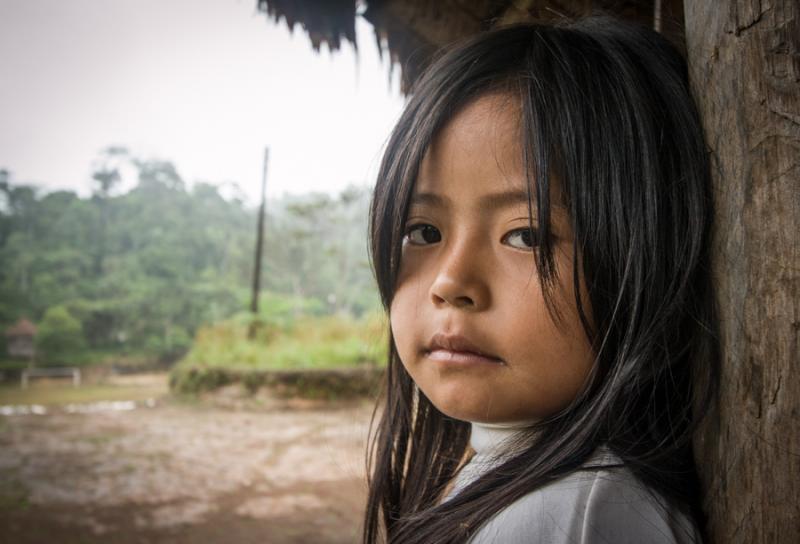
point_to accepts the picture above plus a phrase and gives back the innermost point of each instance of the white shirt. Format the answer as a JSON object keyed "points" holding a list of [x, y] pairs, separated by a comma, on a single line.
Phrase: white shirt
{"points": [[585, 507]]}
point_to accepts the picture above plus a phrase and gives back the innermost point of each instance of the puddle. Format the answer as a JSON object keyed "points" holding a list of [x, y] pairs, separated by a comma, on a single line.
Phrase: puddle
{"points": [[23, 410], [81, 408]]}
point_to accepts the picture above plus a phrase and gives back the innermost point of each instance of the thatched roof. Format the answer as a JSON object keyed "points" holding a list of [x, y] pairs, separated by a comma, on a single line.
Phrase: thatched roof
{"points": [[328, 21], [410, 31], [23, 327]]}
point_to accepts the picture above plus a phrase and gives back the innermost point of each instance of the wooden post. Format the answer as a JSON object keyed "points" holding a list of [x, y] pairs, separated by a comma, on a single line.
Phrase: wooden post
{"points": [[744, 61], [259, 249]]}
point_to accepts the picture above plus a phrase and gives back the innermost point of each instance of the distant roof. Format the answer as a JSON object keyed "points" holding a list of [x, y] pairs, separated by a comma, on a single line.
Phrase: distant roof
{"points": [[23, 327], [411, 31]]}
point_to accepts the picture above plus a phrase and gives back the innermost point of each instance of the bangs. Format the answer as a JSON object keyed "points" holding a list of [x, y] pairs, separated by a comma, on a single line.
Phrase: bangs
{"points": [[453, 82]]}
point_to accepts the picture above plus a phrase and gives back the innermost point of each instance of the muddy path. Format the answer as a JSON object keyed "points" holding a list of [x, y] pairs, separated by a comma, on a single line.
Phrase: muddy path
{"points": [[176, 472]]}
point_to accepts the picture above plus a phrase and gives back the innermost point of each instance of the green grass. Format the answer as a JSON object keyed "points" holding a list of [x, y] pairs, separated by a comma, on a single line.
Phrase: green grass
{"points": [[122, 358], [12, 366], [54, 394], [13, 495], [306, 342], [102, 439]]}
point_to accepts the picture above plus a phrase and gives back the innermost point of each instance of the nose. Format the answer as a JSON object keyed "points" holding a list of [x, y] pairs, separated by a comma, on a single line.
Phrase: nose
{"points": [[460, 280]]}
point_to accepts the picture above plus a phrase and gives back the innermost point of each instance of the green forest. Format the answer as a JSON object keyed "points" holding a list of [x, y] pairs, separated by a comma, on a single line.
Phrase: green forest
{"points": [[162, 272]]}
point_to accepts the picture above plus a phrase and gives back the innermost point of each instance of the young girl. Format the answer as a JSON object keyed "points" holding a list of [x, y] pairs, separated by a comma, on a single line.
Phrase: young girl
{"points": [[540, 236]]}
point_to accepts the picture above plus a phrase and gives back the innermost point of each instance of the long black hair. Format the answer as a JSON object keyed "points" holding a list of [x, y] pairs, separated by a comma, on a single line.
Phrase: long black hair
{"points": [[606, 110]]}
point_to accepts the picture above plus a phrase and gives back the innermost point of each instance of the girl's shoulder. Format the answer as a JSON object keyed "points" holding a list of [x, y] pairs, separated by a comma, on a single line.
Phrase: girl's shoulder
{"points": [[601, 503]]}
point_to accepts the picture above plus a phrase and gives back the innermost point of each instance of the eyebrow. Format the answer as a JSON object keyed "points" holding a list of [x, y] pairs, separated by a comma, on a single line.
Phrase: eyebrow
{"points": [[491, 201]]}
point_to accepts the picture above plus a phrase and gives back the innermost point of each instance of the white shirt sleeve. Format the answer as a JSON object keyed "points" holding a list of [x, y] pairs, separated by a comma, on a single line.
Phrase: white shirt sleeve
{"points": [[606, 506]]}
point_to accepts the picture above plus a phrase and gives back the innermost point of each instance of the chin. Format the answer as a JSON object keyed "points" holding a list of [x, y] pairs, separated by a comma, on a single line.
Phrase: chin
{"points": [[486, 411], [471, 410]]}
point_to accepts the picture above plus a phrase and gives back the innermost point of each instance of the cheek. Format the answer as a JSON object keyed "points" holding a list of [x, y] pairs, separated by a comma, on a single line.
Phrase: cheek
{"points": [[552, 357], [402, 317], [409, 299]]}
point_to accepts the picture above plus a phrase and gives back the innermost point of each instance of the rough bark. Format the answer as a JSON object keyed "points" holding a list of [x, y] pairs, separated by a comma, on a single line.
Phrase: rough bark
{"points": [[744, 59]]}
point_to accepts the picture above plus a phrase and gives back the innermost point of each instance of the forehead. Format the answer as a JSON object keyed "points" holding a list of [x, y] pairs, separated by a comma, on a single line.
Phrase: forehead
{"points": [[478, 149], [475, 163]]}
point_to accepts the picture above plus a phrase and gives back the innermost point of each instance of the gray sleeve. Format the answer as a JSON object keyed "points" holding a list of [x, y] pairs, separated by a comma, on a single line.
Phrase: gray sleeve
{"points": [[620, 510], [604, 507]]}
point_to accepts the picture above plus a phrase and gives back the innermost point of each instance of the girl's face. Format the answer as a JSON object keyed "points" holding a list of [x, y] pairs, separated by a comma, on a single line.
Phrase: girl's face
{"points": [[468, 316]]}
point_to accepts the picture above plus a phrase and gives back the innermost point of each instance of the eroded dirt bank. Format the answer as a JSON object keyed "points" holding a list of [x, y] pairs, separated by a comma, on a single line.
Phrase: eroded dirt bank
{"points": [[184, 473]]}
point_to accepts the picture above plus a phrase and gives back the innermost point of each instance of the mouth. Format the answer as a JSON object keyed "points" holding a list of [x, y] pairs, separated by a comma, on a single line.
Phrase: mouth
{"points": [[454, 348]]}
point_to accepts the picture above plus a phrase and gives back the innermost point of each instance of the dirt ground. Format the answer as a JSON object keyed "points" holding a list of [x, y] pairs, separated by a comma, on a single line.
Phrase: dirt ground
{"points": [[174, 471]]}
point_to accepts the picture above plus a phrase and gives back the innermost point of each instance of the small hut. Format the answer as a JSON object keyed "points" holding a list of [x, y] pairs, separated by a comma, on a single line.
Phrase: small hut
{"points": [[20, 340]]}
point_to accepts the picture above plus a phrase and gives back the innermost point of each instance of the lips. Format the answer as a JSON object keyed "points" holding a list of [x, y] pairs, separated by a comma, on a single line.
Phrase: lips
{"points": [[454, 347]]}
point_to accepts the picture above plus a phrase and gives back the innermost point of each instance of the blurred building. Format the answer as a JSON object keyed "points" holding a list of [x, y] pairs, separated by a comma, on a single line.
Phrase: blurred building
{"points": [[20, 340]]}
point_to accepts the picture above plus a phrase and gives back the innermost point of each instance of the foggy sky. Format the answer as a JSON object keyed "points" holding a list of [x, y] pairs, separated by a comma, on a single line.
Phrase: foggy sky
{"points": [[204, 84]]}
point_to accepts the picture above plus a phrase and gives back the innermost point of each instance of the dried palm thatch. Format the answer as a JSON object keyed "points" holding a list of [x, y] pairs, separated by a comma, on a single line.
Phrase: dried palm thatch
{"points": [[328, 21], [411, 31]]}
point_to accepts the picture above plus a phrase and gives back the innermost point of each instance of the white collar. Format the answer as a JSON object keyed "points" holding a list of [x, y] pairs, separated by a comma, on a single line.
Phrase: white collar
{"points": [[492, 438]]}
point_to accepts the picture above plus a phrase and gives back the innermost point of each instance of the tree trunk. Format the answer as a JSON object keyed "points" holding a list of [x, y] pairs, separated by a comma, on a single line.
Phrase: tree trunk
{"points": [[744, 61]]}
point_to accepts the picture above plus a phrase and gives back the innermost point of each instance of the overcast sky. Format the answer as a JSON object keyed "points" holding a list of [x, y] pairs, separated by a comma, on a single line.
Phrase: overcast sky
{"points": [[206, 84]]}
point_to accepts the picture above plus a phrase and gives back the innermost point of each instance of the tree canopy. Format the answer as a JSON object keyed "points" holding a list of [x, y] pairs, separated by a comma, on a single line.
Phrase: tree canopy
{"points": [[143, 269]]}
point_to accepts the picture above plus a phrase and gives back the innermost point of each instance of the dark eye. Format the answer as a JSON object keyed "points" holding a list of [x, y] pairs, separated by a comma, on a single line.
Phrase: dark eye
{"points": [[519, 239], [423, 234]]}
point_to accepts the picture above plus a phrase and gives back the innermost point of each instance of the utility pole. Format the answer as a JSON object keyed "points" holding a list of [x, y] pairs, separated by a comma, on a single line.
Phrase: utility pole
{"points": [[259, 249]]}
